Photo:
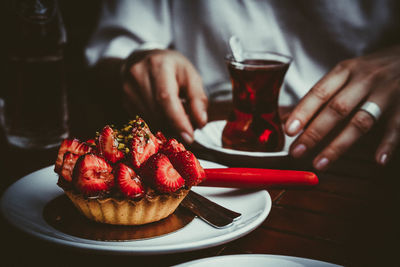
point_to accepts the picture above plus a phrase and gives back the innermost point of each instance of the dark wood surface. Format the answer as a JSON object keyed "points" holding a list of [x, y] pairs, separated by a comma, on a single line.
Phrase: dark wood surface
{"points": [[348, 219]]}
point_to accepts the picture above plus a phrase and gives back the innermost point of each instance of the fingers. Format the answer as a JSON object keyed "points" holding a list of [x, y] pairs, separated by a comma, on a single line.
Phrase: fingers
{"points": [[390, 139], [166, 95], [337, 109], [320, 94], [160, 78], [142, 84], [333, 99], [359, 125]]}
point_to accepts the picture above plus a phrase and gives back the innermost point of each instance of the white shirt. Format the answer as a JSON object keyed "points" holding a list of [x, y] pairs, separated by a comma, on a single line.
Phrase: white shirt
{"points": [[316, 33]]}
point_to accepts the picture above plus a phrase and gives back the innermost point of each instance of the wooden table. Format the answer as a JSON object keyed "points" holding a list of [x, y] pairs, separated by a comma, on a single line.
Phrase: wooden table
{"points": [[348, 219]]}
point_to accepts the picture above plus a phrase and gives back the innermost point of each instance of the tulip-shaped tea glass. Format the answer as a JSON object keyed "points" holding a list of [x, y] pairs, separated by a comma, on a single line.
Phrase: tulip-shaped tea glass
{"points": [[254, 123]]}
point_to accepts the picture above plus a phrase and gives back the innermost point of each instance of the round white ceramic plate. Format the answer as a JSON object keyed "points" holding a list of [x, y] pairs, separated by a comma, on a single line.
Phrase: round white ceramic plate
{"points": [[255, 260], [23, 202], [210, 137]]}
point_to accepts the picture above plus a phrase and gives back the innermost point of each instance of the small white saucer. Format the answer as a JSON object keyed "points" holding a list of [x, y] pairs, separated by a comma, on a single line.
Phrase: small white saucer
{"points": [[210, 137]]}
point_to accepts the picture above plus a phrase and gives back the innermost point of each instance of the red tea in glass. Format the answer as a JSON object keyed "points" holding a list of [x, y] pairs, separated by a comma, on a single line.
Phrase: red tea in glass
{"points": [[254, 123]]}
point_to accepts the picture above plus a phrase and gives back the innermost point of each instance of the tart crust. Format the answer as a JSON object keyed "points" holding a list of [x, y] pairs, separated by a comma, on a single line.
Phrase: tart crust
{"points": [[150, 208]]}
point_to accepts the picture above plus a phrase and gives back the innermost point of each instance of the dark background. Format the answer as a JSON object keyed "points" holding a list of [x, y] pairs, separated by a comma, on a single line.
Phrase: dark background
{"points": [[80, 19]]}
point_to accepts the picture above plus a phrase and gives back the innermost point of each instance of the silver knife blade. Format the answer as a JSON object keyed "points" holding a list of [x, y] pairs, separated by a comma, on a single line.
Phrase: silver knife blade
{"points": [[214, 206], [211, 212]]}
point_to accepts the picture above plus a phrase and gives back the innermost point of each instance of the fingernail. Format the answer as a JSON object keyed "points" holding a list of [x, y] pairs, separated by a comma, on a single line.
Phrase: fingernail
{"points": [[299, 150], [383, 159], [204, 117], [322, 163], [294, 127], [187, 137]]}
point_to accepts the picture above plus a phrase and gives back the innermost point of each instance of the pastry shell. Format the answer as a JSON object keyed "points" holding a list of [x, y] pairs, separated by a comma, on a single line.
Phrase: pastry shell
{"points": [[150, 208]]}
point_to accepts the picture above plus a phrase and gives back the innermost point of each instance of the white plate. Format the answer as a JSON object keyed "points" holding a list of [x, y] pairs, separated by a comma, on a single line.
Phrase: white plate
{"points": [[23, 203], [210, 137], [255, 260]]}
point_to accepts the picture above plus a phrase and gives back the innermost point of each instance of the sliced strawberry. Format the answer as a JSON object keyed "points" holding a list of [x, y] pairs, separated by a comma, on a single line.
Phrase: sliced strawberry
{"points": [[128, 182], [70, 145], [68, 166], [188, 166], [172, 146], [92, 175], [143, 146], [108, 145], [91, 142], [159, 173], [161, 139]]}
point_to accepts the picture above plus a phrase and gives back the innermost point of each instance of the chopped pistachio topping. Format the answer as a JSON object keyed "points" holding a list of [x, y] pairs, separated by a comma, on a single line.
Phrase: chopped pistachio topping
{"points": [[121, 145]]}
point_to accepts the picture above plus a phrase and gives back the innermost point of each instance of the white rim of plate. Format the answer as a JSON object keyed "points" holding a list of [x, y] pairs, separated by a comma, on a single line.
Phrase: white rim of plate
{"points": [[281, 258]]}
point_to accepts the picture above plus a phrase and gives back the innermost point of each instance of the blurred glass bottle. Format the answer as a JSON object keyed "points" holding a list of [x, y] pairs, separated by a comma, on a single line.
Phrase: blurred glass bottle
{"points": [[35, 114]]}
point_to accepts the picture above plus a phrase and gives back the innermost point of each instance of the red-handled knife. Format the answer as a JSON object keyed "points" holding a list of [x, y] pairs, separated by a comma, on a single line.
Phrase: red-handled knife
{"points": [[257, 178]]}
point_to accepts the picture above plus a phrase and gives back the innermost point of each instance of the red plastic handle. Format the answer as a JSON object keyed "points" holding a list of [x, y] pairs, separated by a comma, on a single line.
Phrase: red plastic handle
{"points": [[257, 178]]}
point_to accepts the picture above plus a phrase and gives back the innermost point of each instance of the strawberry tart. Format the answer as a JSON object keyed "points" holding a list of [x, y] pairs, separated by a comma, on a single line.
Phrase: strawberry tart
{"points": [[127, 176]]}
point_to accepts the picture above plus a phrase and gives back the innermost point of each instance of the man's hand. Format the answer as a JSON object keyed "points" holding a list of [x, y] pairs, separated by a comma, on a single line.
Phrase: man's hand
{"points": [[159, 84], [338, 95]]}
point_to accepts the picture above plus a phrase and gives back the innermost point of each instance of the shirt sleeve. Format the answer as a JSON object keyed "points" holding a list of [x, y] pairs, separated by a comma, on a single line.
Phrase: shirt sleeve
{"points": [[129, 25]]}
